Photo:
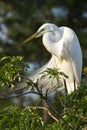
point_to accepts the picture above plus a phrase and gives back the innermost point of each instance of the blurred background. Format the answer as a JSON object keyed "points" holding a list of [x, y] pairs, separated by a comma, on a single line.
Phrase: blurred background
{"points": [[20, 19]]}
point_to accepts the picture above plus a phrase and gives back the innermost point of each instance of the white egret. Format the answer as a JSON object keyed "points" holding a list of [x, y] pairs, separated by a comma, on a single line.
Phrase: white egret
{"points": [[65, 49]]}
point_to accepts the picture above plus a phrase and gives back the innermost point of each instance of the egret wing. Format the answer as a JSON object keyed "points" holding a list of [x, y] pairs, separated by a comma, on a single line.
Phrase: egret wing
{"points": [[71, 51]]}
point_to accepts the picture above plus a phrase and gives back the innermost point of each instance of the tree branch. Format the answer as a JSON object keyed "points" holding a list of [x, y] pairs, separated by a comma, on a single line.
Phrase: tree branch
{"points": [[44, 108]]}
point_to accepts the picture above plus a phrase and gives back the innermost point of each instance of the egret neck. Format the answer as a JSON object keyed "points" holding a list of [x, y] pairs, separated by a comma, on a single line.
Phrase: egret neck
{"points": [[50, 39]]}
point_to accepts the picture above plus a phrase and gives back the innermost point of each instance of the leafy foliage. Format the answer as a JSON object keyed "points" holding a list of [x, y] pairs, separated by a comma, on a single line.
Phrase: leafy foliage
{"points": [[10, 69], [74, 106], [53, 73], [75, 112], [14, 118]]}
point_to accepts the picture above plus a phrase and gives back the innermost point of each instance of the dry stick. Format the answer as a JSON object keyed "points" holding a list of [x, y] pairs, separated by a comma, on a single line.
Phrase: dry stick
{"points": [[54, 111], [44, 108]]}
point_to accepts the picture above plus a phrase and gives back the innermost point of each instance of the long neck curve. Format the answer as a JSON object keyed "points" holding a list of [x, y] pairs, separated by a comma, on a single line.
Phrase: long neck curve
{"points": [[50, 39]]}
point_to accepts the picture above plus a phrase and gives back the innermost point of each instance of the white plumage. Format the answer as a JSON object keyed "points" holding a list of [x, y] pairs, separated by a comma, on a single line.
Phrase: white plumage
{"points": [[64, 46]]}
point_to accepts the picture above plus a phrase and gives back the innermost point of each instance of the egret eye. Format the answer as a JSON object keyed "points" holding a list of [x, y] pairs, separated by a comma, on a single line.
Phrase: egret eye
{"points": [[41, 30]]}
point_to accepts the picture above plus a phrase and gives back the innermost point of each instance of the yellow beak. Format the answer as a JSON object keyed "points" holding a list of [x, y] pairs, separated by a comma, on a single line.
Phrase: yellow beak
{"points": [[31, 37]]}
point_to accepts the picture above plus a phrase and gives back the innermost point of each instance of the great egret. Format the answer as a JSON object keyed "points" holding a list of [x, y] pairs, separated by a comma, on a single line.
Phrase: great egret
{"points": [[64, 46]]}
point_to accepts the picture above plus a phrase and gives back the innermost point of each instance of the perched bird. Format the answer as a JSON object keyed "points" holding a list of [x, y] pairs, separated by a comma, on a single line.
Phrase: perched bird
{"points": [[65, 49]]}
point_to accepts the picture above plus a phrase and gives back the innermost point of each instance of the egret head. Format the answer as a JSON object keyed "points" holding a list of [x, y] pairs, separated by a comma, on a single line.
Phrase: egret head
{"points": [[47, 27]]}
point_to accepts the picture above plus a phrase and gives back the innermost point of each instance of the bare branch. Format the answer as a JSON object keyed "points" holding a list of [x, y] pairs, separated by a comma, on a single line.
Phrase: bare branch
{"points": [[44, 108], [59, 115], [18, 95]]}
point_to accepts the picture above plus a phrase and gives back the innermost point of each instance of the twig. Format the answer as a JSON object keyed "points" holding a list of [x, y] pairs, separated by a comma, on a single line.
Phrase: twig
{"points": [[61, 102], [44, 108], [54, 111], [18, 95]]}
